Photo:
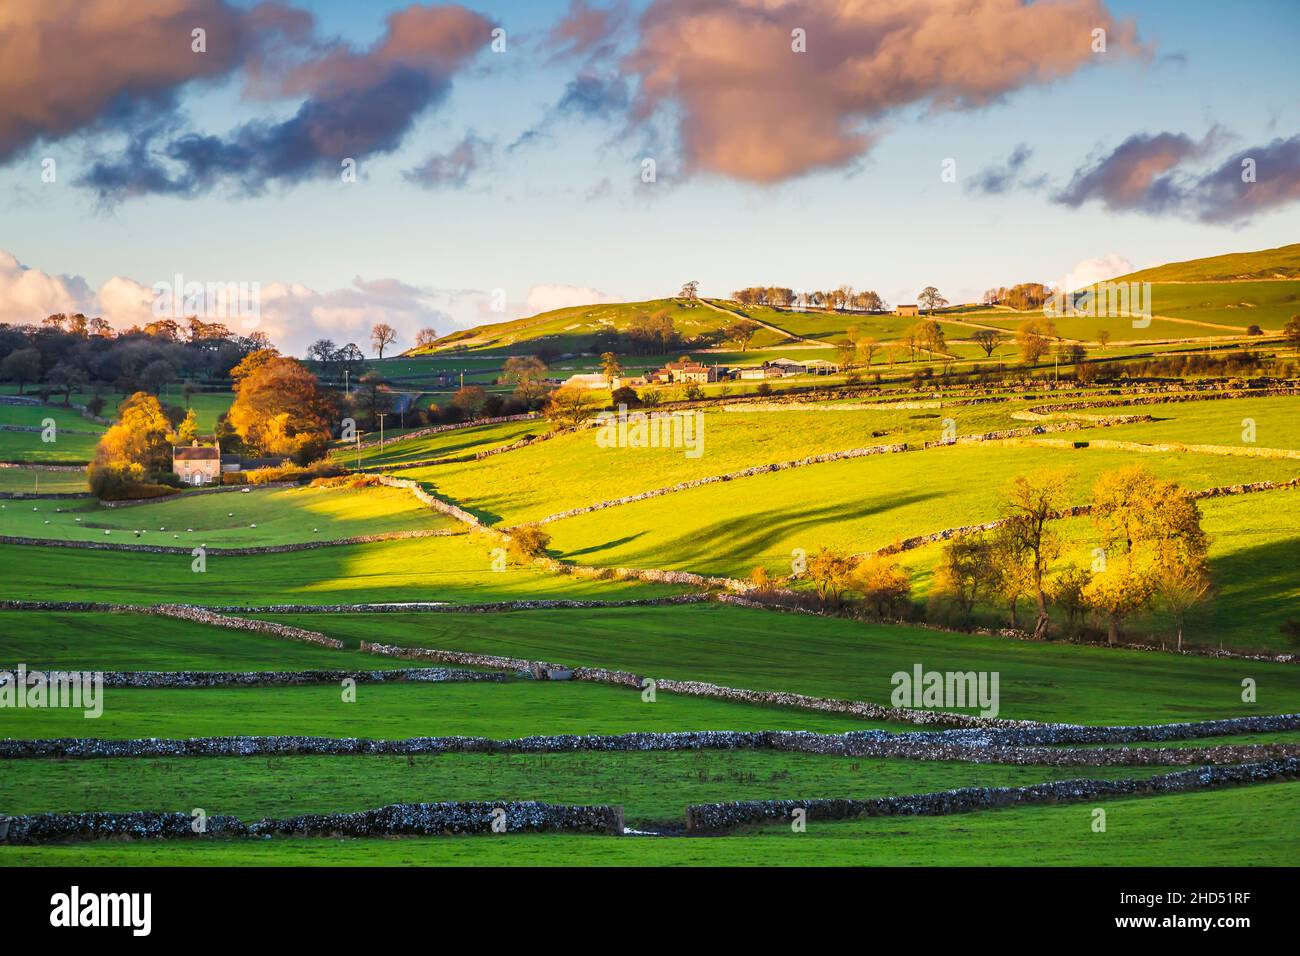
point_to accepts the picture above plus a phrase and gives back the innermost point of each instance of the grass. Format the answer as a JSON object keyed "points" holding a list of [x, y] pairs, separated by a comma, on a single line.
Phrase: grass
{"points": [[69, 640], [31, 480], [1214, 423], [30, 447], [1236, 827], [460, 441], [34, 416], [573, 470], [456, 569], [654, 788], [835, 657], [397, 711], [1263, 264], [281, 516], [856, 505]]}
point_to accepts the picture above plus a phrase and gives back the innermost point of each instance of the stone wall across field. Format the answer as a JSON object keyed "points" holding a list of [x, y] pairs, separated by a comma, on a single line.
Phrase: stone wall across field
{"points": [[398, 819], [186, 612], [227, 552], [185, 680], [422, 607], [948, 746], [715, 817]]}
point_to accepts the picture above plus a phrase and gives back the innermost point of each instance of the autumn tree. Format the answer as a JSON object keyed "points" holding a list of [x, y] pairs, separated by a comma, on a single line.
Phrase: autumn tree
{"points": [[741, 333], [187, 431], [133, 448], [527, 541], [1034, 338], [249, 364], [1179, 588], [528, 375], [280, 410], [382, 335], [1032, 501], [1147, 526], [425, 337], [867, 349], [610, 368], [470, 399], [1012, 573], [569, 407], [883, 584], [1067, 592], [966, 573], [831, 575]]}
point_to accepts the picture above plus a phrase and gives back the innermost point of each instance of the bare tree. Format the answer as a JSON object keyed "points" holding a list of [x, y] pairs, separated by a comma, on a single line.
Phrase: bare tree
{"points": [[382, 336]]}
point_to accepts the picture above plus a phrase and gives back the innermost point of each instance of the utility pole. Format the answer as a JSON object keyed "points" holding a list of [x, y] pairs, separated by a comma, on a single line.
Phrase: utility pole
{"points": [[381, 416], [346, 387], [358, 449]]}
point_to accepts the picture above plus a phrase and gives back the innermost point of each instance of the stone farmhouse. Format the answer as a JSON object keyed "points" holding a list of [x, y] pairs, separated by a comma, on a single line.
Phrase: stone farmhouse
{"points": [[907, 310], [197, 464]]}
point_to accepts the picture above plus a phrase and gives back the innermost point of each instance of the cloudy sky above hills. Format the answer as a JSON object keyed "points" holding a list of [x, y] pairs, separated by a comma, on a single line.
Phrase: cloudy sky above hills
{"points": [[802, 143]]}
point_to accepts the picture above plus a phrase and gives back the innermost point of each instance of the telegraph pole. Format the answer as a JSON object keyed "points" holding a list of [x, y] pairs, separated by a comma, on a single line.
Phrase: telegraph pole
{"points": [[381, 416]]}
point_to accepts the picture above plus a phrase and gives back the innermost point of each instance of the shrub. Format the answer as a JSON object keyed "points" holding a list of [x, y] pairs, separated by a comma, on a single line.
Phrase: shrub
{"points": [[527, 542]]}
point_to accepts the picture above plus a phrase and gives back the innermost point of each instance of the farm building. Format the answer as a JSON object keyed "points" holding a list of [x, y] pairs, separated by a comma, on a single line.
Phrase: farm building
{"points": [[688, 371], [907, 310]]}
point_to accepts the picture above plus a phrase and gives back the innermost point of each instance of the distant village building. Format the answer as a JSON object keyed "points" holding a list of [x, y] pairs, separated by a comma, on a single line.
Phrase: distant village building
{"points": [[688, 371], [907, 310], [197, 464], [781, 367]]}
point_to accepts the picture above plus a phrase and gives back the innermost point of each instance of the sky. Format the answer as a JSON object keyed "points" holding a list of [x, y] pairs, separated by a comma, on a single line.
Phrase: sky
{"points": [[956, 143]]}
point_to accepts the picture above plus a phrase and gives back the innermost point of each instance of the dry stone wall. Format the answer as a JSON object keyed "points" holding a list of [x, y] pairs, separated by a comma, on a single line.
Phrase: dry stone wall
{"points": [[398, 819], [715, 817]]}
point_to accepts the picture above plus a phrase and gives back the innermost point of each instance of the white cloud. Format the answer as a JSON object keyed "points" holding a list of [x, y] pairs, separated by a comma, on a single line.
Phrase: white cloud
{"points": [[1090, 271], [544, 298]]}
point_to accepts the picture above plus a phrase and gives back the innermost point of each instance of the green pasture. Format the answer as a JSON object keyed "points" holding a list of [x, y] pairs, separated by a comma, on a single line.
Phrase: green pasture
{"points": [[1238, 827], [256, 518], [572, 470], [518, 708], [1282, 262], [845, 659], [32, 481], [34, 416], [92, 640], [449, 444], [654, 788], [31, 447], [1276, 423], [857, 505], [457, 569]]}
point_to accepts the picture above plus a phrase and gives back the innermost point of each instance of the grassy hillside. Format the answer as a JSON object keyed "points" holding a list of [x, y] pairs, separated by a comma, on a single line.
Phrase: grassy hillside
{"points": [[1280, 263], [574, 329]]}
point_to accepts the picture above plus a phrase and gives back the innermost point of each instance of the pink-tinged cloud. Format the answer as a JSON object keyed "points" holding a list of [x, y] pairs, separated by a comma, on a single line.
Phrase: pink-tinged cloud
{"points": [[65, 64], [749, 107], [585, 30], [1135, 175]]}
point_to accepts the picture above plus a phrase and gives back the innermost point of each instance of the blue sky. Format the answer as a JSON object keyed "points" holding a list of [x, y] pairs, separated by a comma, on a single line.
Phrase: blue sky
{"points": [[570, 211]]}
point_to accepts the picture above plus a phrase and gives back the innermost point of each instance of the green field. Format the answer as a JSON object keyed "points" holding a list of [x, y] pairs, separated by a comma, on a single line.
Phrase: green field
{"points": [[35, 416], [397, 711], [74, 640], [1224, 828], [859, 505], [256, 518], [456, 569], [829, 657], [33, 481], [448, 444], [31, 446], [653, 788]]}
